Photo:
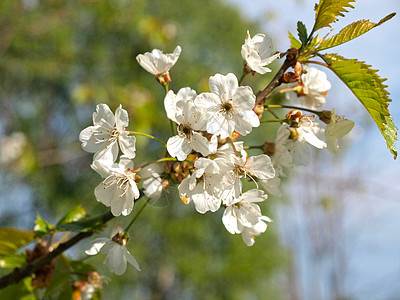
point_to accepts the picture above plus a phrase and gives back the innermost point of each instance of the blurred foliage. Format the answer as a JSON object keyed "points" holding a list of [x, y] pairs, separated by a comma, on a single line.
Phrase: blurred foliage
{"points": [[58, 59]]}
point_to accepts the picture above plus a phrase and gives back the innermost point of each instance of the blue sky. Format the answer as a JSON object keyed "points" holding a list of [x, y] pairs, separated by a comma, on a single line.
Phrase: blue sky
{"points": [[372, 214]]}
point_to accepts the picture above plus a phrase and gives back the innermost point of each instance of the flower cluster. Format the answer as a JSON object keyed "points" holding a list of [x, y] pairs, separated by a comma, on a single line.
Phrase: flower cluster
{"points": [[205, 132]]}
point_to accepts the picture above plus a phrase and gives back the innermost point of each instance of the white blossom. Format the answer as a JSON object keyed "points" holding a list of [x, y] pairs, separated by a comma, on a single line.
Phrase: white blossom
{"points": [[158, 63], [244, 216], [249, 234], [171, 101], [152, 183], [106, 133], [236, 167], [305, 128], [337, 128], [230, 106], [119, 189], [203, 187], [256, 52], [117, 254], [315, 86], [280, 156], [271, 186], [190, 119]]}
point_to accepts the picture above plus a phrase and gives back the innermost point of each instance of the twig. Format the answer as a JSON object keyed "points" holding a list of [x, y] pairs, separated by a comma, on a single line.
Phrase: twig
{"points": [[26, 270]]}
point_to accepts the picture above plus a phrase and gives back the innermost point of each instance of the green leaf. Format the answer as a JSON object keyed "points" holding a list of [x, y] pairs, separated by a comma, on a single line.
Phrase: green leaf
{"points": [[21, 291], [294, 43], [75, 214], [351, 32], [81, 267], [60, 287], [42, 227], [327, 11], [13, 261], [12, 239], [302, 31], [369, 88], [83, 225]]}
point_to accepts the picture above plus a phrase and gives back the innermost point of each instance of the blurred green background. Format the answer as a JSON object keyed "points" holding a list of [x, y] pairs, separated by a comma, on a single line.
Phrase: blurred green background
{"points": [[58, 59]]}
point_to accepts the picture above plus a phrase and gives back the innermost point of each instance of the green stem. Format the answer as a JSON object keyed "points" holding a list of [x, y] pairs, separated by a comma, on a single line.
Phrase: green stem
{"points": [[293, 107], [166, 88], [272, 113], [149, 136], [273, 120], [156, 161], [242, 77], [261, 147], [293, 89], [136, 216]]}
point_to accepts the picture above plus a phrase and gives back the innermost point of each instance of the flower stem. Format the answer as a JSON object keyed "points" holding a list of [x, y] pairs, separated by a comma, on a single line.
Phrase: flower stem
{"points": [[294, 107], [234, 148], [273, 120], [149, 136], [156, 161], [165, 85], [281, 92], [242, 77], [136, 216], [261, 147]]}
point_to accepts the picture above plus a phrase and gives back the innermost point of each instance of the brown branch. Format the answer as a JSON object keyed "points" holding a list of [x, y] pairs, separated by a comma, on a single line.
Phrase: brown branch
{"points": [[20, 273], [290, 61]]}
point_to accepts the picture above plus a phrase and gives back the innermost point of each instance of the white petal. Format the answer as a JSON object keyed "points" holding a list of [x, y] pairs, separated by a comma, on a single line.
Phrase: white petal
{"points": [[121, 118], [261, 166], [131, 259], [200, 144], [103, 114], [127, 144], [178, 147], [96, 245]]}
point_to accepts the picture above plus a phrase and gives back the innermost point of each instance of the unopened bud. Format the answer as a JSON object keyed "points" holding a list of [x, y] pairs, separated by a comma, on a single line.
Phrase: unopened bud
{"points": [[292, 54], [298, 69], [259, 110]]}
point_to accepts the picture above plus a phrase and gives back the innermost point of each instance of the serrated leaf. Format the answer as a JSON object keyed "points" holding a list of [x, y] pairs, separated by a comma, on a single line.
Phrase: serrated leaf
{"points": [[351, 32], [294, 43], [302, 32], [12, 239], [42, 227], [75, 214], [369, 88], [328, 11]]}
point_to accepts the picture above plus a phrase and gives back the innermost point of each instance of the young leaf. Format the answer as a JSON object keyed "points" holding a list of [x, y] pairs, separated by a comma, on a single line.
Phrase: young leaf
{"points": [[12, 239], [42, 227], [302, 31], [369, 88], [75, 214], [352, 31], [294, 43], [13, 261], [327, 11]]}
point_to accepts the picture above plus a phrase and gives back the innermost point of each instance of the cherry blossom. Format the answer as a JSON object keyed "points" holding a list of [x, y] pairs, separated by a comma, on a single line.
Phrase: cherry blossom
{"points": [[230, 106], [256, 52], [119, 189], [158, 63], [117, 254], [107, 132], [338, 127], [314, 88]]}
